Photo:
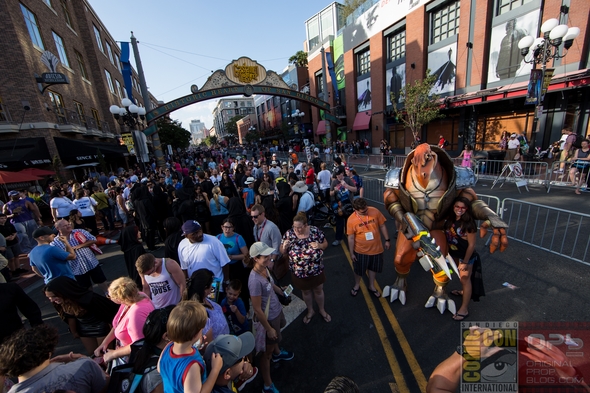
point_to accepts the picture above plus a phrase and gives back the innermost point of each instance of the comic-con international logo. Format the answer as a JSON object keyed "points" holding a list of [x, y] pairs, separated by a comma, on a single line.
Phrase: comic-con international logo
{"points": [[490, 353]]}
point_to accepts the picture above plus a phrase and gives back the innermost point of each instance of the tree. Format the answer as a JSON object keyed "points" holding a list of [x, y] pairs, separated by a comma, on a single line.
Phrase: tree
{"points": [[350, 6], [299, 59], [172, 133], [231, 127], [210, 141], [420, 107], [252, 136]]}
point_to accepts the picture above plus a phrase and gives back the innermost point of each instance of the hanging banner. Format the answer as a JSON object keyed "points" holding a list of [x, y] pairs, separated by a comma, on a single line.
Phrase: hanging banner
{"points": [[533, 94], [546, 82], [332, 75], [338, 50]]}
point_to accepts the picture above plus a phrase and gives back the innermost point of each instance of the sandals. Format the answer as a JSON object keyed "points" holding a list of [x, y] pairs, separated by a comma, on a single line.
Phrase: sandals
{"points": [[327, 317], [375, 292], [456, 292], [354, 292], [459, 317], [307, 318]]}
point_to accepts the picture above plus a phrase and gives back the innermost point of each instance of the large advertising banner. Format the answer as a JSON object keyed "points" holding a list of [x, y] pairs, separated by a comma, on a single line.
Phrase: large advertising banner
{"points": [[377, 18], [363, 91], [338, 50], [395, 79], [442, 63], [506, 62]]}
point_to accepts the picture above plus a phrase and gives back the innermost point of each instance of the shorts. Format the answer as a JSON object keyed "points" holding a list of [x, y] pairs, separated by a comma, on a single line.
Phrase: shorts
{"points": [[308, 283], [95, 275], [13, 251], [277, 324], [363, 262], [470, 262]]}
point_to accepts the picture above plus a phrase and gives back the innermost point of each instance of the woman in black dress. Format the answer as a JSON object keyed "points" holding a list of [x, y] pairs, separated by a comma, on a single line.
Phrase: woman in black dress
{"points": [[132, 249]]}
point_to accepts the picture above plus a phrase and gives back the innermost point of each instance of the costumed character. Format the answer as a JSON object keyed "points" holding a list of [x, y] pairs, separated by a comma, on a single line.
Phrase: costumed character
{"points": [[418, 196]]}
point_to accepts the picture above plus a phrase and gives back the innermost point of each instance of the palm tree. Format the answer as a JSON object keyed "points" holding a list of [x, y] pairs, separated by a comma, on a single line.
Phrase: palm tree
{"points": [[299, 59]]}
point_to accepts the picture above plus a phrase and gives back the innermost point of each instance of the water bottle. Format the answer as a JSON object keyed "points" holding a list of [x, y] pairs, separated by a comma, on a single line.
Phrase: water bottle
{"points": [[483, 167]]}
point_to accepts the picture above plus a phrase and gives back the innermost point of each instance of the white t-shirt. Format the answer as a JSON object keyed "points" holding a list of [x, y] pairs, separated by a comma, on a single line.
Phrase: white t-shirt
{"points": [[208, 254], [63, 206], [85, 205], [513, 143], [325, 179]]}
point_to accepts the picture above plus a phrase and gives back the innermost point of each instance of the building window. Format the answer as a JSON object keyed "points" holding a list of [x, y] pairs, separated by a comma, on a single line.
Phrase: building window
{"points": [[98, 39], [48, 2], [119, 90], [319, 83], [363, 64], [117, 62], [110, 52], [3, 112], [64, 7], [397, 45], [32, 26], [96, 117], [444, 22], [58, 105], [109, 81], [80, 111], [508, 5], [81, 65], [268, 106], [61, 49], [313, 33]]}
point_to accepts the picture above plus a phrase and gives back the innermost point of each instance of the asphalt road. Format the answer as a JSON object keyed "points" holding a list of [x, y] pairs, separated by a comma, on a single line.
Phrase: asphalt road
{"points": [[392, 347]]}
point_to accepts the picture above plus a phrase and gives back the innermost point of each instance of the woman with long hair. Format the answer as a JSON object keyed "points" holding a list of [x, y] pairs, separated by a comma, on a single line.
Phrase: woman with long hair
{"points": [[467, 156], [75, 218], [305, 245], [60, 204], [202, 212], [460, 229], [218, 208], [201, 289], [87, 313], [134, 308], [227, 186], [284, 205], [237, 251]]}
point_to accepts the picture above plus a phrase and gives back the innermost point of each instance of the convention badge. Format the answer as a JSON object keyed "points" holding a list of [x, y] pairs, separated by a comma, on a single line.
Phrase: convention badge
{"points": [[369, 236]]}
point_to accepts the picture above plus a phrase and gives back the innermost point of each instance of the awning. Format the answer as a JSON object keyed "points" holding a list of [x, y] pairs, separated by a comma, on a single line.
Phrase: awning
{"points": [[22, 153], [37, 172], [321, 130], [16, 177], [78, 152], [361, 121]]}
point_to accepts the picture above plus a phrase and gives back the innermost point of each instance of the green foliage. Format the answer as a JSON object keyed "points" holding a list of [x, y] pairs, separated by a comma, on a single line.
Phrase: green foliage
{"points": [[350, 6], [299, 59], [420, 107], [210, 141], [57, 166], [253, 136], [172, 133], [231, 128]]}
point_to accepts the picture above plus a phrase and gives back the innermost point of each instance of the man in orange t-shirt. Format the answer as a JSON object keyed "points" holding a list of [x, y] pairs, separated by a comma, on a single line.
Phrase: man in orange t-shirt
{"points": [[364, 229]]}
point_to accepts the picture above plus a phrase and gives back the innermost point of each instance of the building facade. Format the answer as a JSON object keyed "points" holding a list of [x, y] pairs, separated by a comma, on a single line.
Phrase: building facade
{"points": [[197, 130], [227, 108], [66, 123], [472, 48]]}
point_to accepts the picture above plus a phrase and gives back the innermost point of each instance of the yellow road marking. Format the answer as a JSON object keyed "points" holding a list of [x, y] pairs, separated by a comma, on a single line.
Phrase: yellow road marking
{"points": [[393, 364]]}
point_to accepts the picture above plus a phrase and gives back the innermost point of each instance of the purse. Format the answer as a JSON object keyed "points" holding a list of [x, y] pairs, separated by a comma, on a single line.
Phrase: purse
{"points": [[280, 267]]}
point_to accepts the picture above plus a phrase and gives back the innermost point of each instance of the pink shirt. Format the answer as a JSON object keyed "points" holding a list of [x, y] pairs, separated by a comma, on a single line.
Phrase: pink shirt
{"points": [[129, 321]]}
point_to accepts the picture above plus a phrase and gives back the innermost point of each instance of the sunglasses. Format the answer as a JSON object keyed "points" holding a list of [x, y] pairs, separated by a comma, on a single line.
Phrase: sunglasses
{"points": [[254, 217], [460, 208]]}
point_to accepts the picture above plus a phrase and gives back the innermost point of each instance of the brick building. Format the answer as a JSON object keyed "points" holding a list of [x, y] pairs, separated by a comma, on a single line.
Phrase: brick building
{"points": [[67, 121], [472, 47]]}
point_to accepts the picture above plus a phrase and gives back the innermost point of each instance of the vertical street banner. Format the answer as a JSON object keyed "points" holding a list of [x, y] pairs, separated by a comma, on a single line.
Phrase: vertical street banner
{"points": [[533, 95], [338, 50], [332, 75], [546, 82]]}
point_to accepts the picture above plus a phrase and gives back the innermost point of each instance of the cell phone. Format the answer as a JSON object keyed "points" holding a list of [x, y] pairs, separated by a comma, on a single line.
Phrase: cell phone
{"points": [[288, 290]]}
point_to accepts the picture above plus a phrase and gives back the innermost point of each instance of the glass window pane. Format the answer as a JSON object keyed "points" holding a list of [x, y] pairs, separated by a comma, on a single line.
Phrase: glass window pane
{"points": [[32, 26], [61, 50]]}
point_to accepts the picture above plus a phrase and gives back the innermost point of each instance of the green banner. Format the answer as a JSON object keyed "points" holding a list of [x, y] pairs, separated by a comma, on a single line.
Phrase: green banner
{"points": [[338, 51]]}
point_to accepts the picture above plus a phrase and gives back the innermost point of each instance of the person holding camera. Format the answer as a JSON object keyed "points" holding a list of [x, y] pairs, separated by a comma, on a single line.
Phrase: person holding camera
{"points": [[305, 245], [342, 190]]}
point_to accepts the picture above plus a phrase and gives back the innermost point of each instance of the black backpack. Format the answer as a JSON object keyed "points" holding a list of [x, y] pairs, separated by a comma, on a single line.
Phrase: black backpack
{"points": [[577, 143]]}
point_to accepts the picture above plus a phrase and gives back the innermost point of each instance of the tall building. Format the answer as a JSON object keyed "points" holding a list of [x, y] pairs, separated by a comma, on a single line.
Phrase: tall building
{"points": [[472, 48], [197, 129], [228, 108], [70, 122]]}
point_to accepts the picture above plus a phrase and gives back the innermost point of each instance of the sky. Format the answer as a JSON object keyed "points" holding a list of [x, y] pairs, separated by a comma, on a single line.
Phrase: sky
{"points": [[181, 42]]}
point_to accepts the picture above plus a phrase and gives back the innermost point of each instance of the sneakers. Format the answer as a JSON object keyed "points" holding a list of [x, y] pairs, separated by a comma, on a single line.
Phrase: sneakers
{"points": [[271, 389], [240, 384], [284, 355], [336, 243]]}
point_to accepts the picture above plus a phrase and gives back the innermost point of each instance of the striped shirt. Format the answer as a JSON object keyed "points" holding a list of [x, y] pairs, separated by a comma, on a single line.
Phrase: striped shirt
{"points": [[85, 258]]}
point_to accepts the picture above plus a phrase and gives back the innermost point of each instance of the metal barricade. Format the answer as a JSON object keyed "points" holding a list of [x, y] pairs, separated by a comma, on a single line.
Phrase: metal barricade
{"points": [[534, 172], [558, 231], [560, 175], [373, 189]]}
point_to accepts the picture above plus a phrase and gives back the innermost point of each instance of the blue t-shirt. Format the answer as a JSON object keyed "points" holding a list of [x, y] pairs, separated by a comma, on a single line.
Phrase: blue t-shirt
{"points": [[51, 262], [235, 327], [232, 244], [248, 195], [173, 368], [222, 207]]}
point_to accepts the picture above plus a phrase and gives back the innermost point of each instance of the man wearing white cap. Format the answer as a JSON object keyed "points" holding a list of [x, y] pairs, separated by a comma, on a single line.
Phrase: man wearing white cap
{"points": [[513, 148]]}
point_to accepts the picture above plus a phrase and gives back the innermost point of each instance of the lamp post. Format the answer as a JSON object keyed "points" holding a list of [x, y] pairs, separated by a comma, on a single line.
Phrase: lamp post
{"points": [[544, 49], [299, 117], [133, 117]]}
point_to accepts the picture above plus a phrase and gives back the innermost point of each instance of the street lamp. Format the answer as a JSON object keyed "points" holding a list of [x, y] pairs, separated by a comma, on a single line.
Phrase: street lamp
{"points": [[132, 116], [299, 116], [545, 49]]}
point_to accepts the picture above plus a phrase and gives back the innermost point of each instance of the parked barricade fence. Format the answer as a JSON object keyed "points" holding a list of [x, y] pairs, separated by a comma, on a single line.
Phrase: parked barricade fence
{"points": [[564, 178], [534, 172]]}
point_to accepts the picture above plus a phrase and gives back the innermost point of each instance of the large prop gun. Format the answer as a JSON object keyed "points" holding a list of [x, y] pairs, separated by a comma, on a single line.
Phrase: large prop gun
{"points": [[428, 251]]}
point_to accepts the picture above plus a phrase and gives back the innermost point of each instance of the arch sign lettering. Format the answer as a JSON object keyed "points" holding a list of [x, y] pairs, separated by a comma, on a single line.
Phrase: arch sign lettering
{"points": [[241, 77]]}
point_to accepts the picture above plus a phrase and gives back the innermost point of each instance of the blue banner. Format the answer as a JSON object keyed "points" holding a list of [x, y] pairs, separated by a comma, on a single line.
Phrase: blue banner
{"points": [[126, 70], [333, 75]]}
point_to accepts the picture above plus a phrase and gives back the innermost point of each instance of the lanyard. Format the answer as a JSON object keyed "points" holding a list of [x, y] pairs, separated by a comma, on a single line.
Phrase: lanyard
{"points": [[259, 231], [366, 223]]}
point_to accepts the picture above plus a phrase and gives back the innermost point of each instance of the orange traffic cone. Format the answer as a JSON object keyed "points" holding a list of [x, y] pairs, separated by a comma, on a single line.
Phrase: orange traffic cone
{"points": [[101, 241]]}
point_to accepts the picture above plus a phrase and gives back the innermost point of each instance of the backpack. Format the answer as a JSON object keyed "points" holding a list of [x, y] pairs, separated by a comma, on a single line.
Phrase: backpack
{"points": [[577, 143], [124, 380]]}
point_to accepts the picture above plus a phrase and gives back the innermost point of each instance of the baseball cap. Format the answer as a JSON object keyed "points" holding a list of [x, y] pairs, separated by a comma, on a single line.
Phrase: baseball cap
{"points": [[231, 348], [13, 193], [133, 179], [513, 136], [43, 231], [190, 226], [144, 180], [339, 170], [260, 248], [273, 163], [249, 180]]}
